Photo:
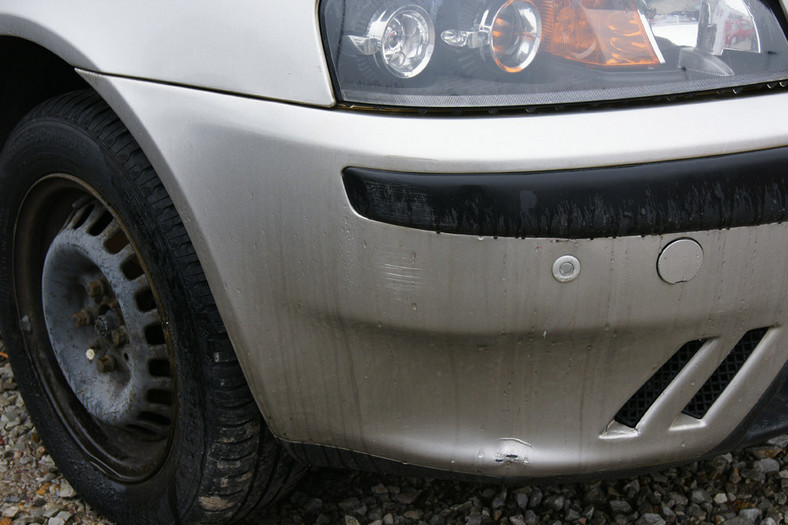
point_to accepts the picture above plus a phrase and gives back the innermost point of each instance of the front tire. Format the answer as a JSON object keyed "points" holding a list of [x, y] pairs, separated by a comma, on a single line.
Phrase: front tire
{"points": [[113, 334]]}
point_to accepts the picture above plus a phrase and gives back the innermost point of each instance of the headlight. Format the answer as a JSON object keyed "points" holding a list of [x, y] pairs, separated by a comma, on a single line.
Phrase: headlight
{"points": [[497, 53]]}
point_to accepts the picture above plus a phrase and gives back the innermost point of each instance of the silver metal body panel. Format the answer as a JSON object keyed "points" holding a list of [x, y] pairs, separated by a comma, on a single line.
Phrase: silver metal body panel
{"points": [[457, 352], [259, 48]]}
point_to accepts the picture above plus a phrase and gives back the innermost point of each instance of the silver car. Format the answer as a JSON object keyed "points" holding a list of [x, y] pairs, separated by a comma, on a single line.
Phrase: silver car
{"points": [[492, 239]]}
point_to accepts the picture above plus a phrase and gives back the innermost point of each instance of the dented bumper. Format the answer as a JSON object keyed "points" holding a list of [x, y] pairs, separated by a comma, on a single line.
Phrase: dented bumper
{"points": [[461, 351]]}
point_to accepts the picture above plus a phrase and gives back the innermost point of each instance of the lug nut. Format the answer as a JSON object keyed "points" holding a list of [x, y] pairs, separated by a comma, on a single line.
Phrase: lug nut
{"points": [[96, 289], [83, 318], [105, 364], [119, 336]]}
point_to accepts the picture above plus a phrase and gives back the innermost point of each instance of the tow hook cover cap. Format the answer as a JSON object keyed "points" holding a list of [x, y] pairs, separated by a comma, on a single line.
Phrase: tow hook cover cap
{"points": [[680, 261]]}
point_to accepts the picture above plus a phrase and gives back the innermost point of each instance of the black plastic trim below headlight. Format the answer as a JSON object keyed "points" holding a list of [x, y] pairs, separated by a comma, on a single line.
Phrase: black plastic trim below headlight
{"points": [[710, 193]]}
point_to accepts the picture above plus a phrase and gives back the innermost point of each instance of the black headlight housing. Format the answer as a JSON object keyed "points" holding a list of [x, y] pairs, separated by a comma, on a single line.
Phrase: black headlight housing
{"points": [[504, 53]]}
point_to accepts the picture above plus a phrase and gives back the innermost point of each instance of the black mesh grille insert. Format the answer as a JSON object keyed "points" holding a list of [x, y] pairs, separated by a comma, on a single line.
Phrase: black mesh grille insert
{"points": [[724, 374], [638, 404]]}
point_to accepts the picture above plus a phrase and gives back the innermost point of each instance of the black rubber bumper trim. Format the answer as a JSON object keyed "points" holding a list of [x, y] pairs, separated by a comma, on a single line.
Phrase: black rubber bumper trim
{"points": [[709, 193]]}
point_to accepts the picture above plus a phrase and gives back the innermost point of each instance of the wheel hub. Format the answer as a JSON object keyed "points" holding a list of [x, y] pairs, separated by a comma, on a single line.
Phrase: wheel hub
{"points": [[104, 326]]}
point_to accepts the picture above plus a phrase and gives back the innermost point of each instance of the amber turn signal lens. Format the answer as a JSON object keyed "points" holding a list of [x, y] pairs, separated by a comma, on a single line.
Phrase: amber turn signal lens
{"points": [[602, 33]]}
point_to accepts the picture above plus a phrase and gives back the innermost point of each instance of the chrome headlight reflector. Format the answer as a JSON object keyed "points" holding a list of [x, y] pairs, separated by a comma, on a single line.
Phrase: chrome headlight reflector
{"points": [[400, 40], [498, 53]]}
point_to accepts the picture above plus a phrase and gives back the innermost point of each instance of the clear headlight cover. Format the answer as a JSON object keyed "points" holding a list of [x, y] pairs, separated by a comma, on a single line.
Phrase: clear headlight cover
{"points": [[497, 53]]}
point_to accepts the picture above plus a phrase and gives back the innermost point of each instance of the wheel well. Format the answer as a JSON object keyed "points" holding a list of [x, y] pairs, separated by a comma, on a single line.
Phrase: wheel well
{"points": [[29, 75]]}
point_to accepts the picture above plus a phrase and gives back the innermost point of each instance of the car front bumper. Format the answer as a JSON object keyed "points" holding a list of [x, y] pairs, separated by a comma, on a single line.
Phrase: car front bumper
{"points": [[462, 352]]}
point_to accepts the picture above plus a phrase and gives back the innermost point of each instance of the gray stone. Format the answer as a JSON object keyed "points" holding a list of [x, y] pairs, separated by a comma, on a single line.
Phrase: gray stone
{"points": [[463, 506], [754, 475], [632, 488], [588, 512], [555, 502], [651, 519], [375, 514], [595, 494], [379, 489], [679, 499], [700, 496], [695, 511], [349, 503], [726, 458], [475, 518], [780, 441], [522, 500], [66, 491], [667, 513], [536, 499], [407, 497], [750, 514], [767, 465], [620, 507]]}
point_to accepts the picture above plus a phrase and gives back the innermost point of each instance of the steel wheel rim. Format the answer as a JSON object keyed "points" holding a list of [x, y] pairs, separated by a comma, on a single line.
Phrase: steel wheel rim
{"points": [[67, 214]]}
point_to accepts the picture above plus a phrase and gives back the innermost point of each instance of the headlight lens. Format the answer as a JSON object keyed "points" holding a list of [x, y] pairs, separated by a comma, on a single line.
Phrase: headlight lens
{"points": [[497, 53]]}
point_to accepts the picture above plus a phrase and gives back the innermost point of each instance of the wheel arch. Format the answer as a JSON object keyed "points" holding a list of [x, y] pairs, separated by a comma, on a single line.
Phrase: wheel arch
{"points": [[34, 71], [31, 73]]}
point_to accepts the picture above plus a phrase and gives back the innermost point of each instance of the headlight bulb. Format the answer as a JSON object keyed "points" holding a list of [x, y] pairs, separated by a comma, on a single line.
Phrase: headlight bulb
{"points": [[515, 33], [400, 40], [508, 34]]}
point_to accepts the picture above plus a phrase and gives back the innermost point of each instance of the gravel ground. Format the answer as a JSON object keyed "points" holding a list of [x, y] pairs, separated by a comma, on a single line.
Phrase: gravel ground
{"points": [[749, 486]]}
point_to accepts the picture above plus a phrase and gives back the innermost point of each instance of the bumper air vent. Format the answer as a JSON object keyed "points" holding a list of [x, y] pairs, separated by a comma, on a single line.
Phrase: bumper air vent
{"points": [[724, 374], [637, 405]]}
